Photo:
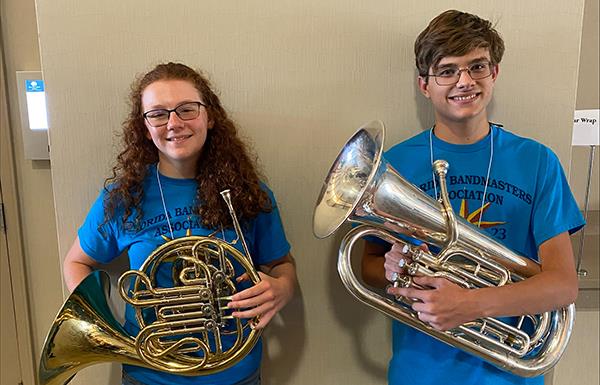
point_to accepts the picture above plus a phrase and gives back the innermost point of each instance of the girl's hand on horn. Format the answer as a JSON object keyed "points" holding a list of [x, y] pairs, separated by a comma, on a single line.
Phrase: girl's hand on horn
{"points": [[268, 296]]}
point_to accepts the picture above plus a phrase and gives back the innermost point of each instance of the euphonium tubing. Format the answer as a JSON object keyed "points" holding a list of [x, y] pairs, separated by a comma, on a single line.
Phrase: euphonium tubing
{"points": [[185, 329], [361, 187]]}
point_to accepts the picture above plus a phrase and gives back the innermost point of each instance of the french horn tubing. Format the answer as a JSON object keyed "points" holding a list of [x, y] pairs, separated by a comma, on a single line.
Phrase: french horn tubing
{"points": [[186, 329]]}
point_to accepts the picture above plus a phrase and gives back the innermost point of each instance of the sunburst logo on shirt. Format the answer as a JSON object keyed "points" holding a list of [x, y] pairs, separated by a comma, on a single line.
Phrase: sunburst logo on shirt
{"points": [[475, 215]]}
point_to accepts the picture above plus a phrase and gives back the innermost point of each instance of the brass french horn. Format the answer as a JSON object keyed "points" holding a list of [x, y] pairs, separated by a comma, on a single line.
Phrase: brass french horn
{"points": [[362, 187], [186, 329]]}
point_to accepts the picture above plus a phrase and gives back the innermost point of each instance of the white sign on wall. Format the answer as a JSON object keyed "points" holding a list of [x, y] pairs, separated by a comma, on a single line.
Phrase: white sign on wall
{"points": [[585, 128], [34, 117], [36, 104]]}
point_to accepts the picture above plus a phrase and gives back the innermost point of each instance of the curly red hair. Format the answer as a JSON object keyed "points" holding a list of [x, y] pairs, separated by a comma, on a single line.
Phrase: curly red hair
{"points": [[225, 161]]}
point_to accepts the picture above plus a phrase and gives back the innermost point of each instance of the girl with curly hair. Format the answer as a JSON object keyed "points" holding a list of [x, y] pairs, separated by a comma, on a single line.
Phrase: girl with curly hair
{"points": [[180, 151]]}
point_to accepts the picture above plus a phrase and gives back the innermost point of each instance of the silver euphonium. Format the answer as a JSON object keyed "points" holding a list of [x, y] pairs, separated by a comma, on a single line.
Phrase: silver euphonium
{"points": [[362, 187], [182, 328]]}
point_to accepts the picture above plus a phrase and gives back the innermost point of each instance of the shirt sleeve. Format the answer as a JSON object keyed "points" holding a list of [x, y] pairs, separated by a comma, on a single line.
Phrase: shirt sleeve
{"points": [[555, 209], [97, 237], [269, 240]]}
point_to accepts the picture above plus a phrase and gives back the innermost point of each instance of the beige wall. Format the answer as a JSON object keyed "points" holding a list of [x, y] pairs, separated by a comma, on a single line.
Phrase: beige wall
{"points": [[298, 77], [33, 180], [582, 355], [588, 90]]}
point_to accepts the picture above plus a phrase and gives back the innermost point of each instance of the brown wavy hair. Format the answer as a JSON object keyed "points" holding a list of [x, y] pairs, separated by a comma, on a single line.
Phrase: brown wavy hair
{"points": [[225, 162], [455, 33]]}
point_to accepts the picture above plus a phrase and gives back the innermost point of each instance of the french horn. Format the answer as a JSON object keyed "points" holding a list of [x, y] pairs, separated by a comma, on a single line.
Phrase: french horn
{"points": [[186, 329], [361, 187]]}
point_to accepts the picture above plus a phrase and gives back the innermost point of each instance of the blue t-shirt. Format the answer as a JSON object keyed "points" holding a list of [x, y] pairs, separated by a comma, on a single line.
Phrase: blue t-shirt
{"points": [[104, 242], [528, 201]]}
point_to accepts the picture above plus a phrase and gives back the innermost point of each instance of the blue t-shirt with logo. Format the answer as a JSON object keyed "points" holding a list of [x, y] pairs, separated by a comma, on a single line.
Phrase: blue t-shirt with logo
{"points": [[104, 242], [527, 202]]}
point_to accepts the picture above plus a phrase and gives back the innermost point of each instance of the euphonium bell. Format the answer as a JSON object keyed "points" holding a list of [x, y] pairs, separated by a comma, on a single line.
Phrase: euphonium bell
{"points": [[362, 187], [186, 329]]}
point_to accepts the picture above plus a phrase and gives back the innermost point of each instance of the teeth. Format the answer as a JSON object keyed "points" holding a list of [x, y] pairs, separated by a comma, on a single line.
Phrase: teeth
{"points": [[465, 97], [177, 139]]}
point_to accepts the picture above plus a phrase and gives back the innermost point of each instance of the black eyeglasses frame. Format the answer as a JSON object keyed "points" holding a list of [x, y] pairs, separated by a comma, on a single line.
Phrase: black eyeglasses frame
{"points": [[145, 114]]}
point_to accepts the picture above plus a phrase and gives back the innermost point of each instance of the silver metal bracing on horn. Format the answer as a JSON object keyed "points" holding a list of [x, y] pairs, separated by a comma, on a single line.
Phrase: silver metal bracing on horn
{"points": [[362, 187]]}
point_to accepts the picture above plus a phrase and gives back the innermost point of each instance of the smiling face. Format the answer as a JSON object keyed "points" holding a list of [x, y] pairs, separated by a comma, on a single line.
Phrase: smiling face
{"points": [[179, 142], [464, 103]]}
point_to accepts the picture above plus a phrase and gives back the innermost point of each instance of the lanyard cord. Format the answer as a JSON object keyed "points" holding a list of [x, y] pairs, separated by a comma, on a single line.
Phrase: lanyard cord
{"points": [[162, 198], [487, 178]]}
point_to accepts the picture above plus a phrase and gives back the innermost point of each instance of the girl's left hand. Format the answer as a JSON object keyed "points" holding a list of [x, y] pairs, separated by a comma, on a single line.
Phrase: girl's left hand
{"points": [[262, 300]]}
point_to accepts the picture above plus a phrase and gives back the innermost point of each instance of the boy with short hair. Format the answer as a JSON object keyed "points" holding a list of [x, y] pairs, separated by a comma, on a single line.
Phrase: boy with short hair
{"points": [[512, 187]]}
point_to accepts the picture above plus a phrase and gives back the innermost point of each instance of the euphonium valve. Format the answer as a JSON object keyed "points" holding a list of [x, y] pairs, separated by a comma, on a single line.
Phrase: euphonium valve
{"points": [[361, 187], [185, 328]]}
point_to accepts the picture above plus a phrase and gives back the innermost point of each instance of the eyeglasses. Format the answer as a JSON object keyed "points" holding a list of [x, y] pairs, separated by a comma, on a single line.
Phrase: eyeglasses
{"points": [[185, 111], [449, 76]]}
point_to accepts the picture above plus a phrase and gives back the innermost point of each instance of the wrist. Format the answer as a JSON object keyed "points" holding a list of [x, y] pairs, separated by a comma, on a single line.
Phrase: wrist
{"points": [[477, 303], [283, 275]]}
